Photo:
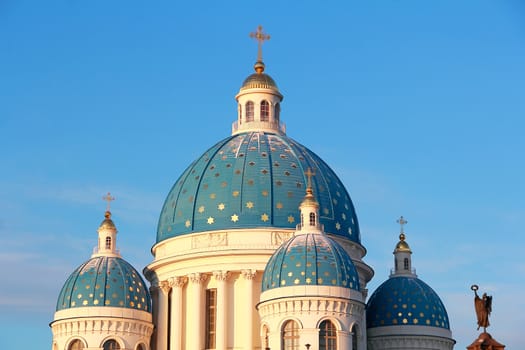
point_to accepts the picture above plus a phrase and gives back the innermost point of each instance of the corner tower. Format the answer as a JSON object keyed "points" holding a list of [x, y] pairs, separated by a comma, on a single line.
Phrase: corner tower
{"points": [[310, 291], [404, 312], [105, 303]]}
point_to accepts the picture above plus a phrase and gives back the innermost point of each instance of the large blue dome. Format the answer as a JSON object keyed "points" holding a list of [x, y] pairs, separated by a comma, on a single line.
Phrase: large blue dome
{"points": [[405, 301], [105, 281], [254, 179], [310, 259]]}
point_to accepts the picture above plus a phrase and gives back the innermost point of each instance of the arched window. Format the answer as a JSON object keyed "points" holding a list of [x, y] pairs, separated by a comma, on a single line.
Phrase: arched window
{"points": [[327, 336], [249, 111], [76, 345], [354, 337], [312, 219], [239, 112], [277, 112], [108, 242], [111, 345], [290, 336], [265, 111], [406, 264]]}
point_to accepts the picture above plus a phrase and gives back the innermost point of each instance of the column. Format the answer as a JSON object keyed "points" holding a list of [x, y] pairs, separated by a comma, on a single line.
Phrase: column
{"points": [[161, 339], [249, 276], [345, 339], [176, 284], [195, 335], [222, 309]]}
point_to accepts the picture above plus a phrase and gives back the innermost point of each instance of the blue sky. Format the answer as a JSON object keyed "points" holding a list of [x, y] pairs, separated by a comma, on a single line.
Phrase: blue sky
{"points": [[417, 105]]}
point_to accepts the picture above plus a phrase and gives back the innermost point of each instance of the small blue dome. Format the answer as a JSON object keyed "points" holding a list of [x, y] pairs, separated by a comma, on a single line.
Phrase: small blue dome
{"points": [[310, 259], [405, 301], [253, 180], [105, 281]]}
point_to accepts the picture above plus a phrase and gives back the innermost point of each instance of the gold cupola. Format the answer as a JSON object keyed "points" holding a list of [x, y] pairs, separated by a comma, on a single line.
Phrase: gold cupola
{"points": [[259, 99]]}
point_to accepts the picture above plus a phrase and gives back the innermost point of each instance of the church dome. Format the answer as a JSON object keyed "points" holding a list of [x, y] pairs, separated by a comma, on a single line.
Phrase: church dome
{"points": [[402, 245], [406, 301], [259, 81], [255, 180], [105, 281], [310, 259]]}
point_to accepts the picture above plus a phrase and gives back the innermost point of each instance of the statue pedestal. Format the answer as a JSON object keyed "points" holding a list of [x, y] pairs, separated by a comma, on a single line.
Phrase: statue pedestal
{"points": [[485, 342]]}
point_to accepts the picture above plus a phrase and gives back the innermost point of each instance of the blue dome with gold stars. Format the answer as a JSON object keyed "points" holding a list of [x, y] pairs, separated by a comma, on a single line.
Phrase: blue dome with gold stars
{"points": [[405, 301], [105, 281], [255, 180], [310, 259]]}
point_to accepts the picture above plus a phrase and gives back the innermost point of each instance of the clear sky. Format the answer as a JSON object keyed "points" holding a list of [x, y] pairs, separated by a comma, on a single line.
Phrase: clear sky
{"points": [[417, 105]]}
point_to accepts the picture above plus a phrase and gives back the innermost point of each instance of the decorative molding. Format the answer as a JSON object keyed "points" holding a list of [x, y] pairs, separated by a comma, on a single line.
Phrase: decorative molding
{"points": [[212, 239], [279, 237], [248, 274], [309, 305], [177, 281], [197, 278], [164, 286], [83, 326], [221, 275], [415, 342]]}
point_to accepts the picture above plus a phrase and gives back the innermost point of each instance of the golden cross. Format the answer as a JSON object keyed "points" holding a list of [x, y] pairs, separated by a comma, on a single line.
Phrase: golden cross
{"points": [[309, 173], [402, 222], [108, 198], [260, 37]]}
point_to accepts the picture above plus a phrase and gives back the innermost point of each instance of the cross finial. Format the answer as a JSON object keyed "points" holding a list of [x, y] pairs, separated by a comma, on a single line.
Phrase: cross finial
{"points": [[402, 222], [108, 198], [309, 173], [261, 37]]}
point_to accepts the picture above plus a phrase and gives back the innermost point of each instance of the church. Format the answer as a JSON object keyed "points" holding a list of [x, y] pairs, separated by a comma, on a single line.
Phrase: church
{"points": [[258, 246]]}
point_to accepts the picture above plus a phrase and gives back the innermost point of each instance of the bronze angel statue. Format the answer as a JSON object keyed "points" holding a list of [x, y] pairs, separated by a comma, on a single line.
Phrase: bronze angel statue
{"points": [[483, 307]]}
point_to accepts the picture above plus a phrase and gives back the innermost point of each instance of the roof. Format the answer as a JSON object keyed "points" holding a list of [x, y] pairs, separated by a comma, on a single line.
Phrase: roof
{"points": [[405, 301], [310, 259], [259, 81], [255, 180], [105, 281]]}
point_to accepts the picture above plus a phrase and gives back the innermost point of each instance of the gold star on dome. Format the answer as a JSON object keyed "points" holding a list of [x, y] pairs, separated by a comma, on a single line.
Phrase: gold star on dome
{"points": [[235, 193], [343, 216], [221, 206], [291, 219], [265, 193], [279, 205], [235, 218], [249, 205], [187, 223], [213, 196], [337, 226], [264, 217], [211, 220], [201, 209]]}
